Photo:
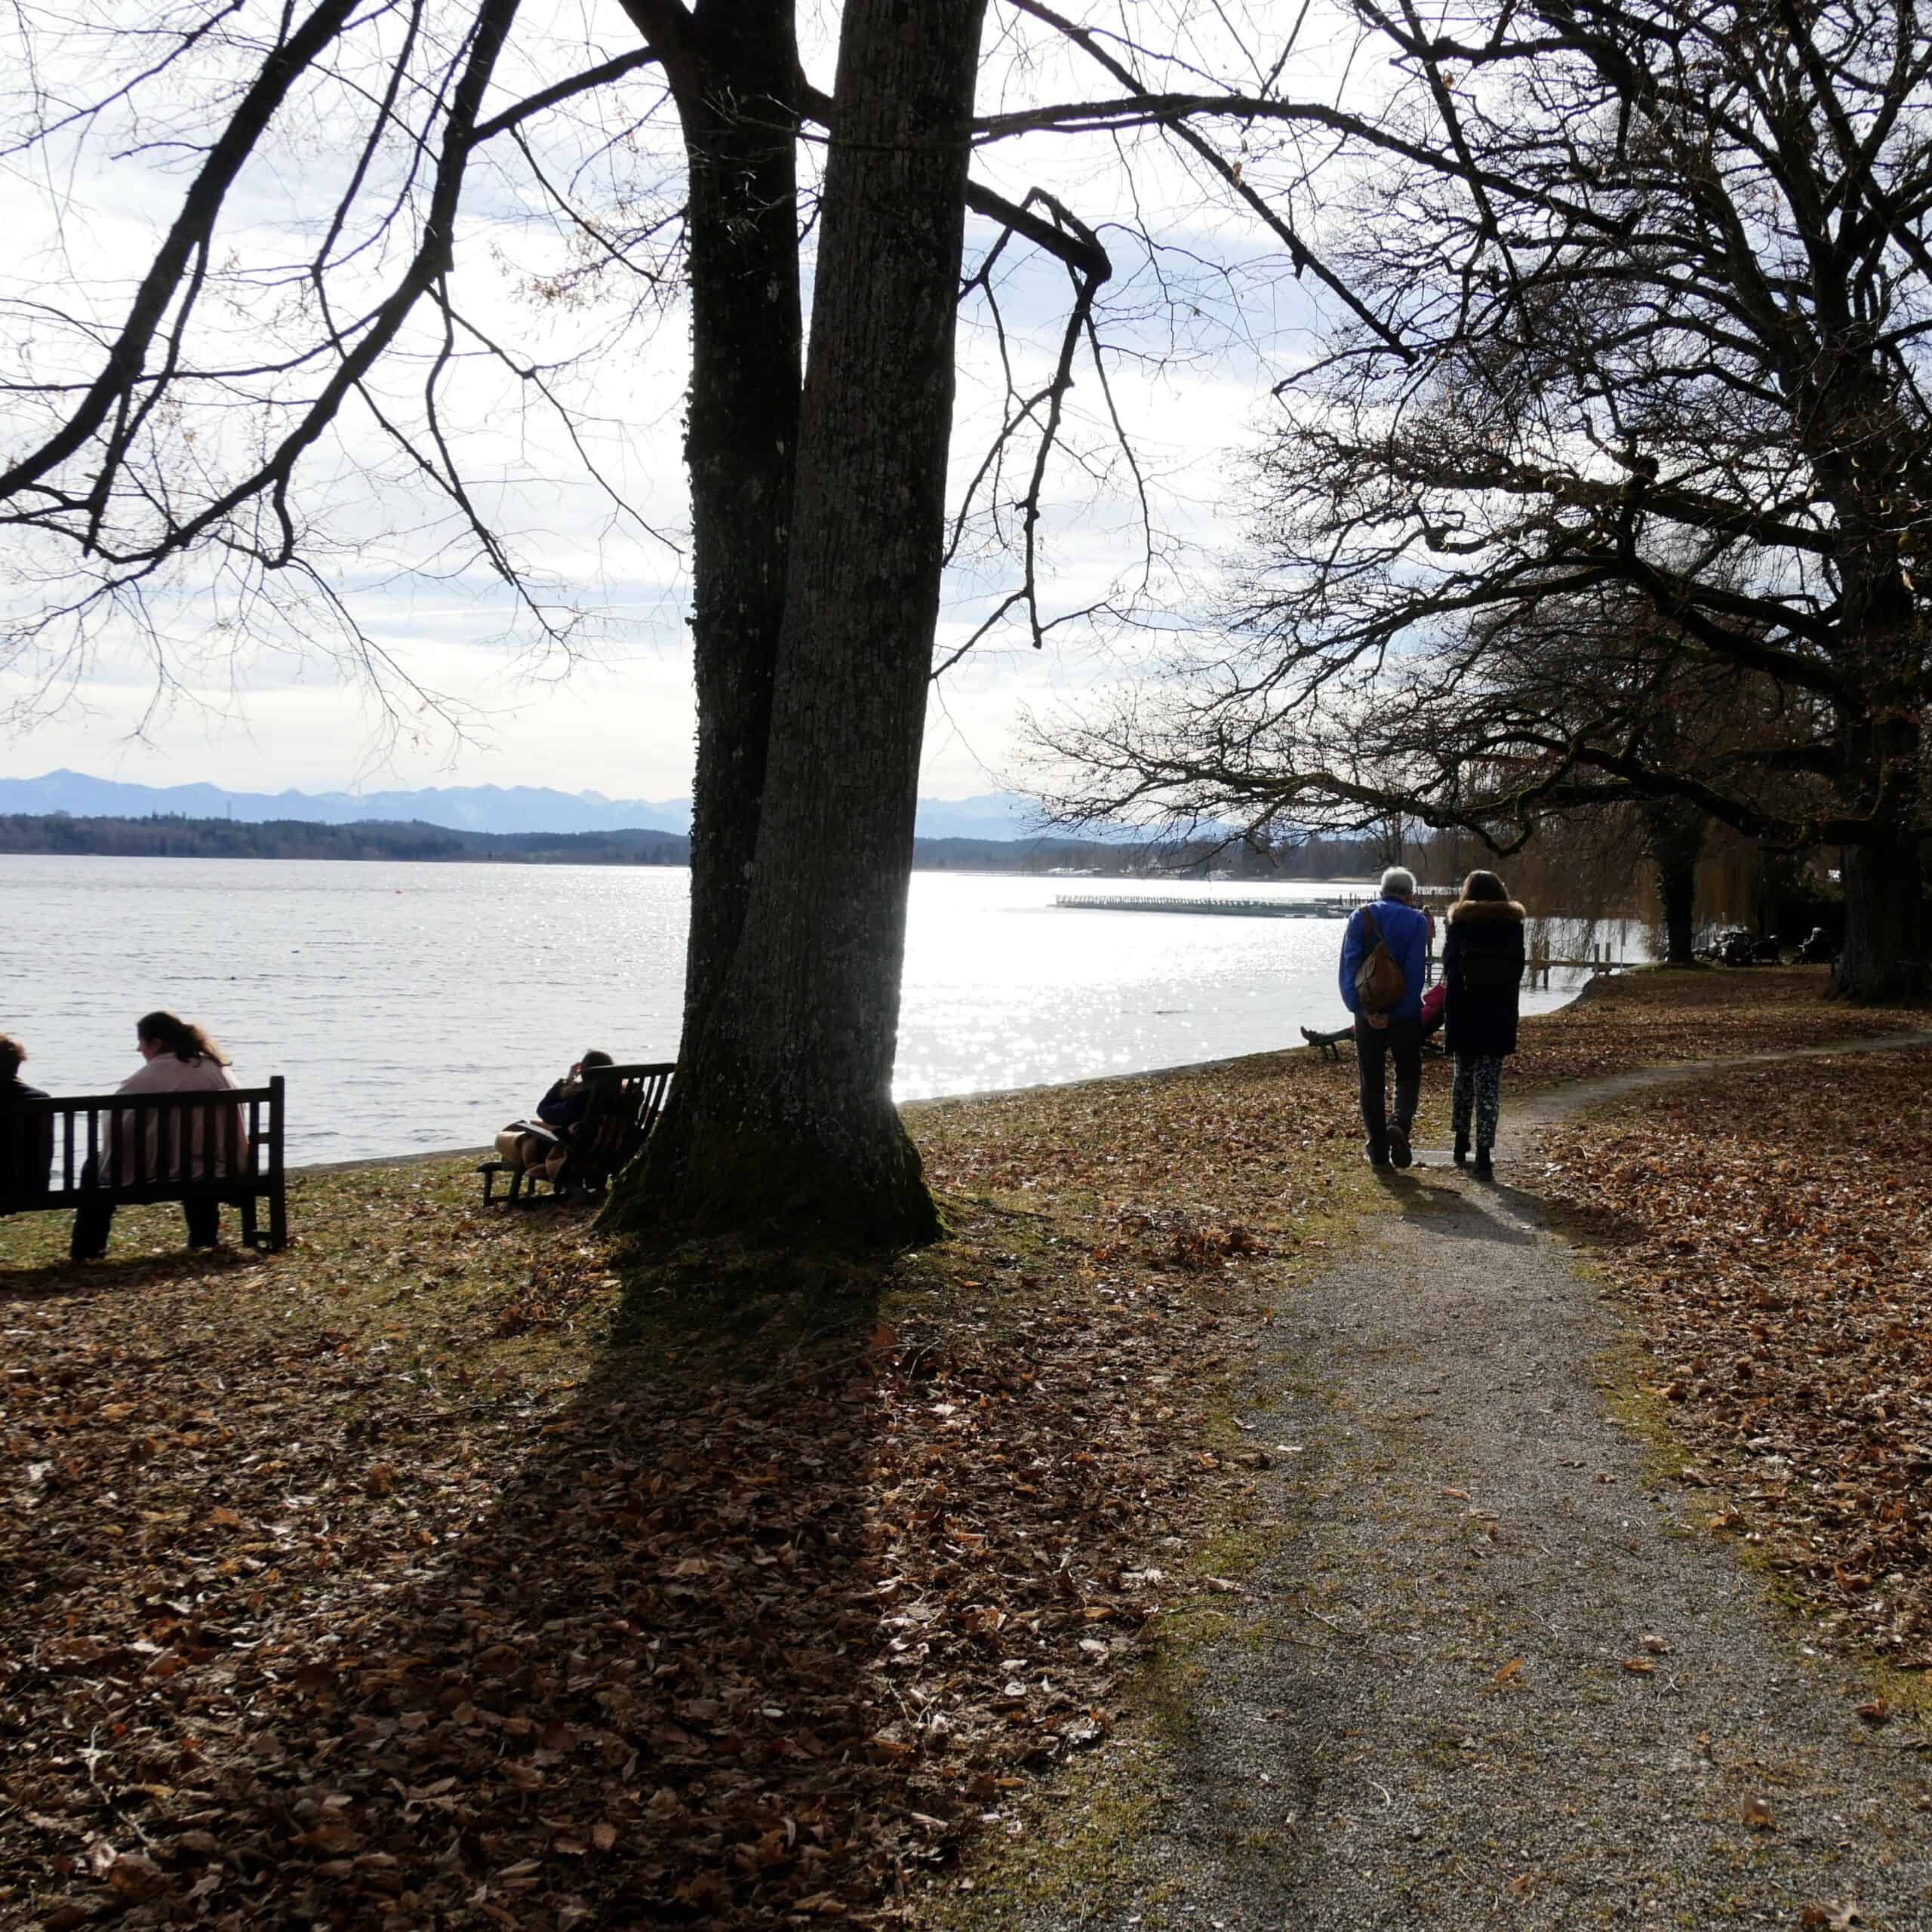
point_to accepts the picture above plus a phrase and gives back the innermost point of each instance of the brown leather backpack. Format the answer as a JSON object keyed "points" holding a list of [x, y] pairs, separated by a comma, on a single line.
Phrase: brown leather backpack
{"points": [[1379, 982]]}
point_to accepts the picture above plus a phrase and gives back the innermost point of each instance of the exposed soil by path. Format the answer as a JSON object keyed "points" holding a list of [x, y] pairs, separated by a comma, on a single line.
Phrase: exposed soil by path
{"points": [[1491, 1676]]}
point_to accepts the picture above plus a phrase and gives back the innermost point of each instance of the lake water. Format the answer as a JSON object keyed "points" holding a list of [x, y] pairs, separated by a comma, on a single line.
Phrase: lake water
{"points": [[420, 1007]]}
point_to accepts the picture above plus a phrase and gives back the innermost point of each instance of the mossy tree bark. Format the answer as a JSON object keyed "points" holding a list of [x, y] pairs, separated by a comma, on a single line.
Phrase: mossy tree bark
{"points": [[785, 1125]]}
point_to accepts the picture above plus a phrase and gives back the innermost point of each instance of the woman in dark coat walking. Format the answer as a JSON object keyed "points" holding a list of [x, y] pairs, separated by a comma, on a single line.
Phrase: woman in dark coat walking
{"points": [[1482, 971]]}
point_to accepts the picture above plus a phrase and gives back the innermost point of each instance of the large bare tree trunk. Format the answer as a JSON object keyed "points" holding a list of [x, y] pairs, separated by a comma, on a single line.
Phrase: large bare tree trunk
{"points": [[733, 65], [1884, 955], [788, 1125], [1674, 837], [1881, 743]]}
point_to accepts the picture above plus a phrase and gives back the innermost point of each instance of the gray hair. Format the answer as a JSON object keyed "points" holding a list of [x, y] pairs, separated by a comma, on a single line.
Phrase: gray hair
{"points": [[1398, 882]]}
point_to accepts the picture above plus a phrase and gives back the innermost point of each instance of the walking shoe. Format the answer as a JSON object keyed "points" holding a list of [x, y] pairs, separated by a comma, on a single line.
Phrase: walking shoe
{"points": [[1376, 1157], [1485, 1167], [1462, 1150], [1399, 1149]]}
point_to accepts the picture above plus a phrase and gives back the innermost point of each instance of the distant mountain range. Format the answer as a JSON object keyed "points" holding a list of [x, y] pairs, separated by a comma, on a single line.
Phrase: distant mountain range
{"points": [[492, 808]]}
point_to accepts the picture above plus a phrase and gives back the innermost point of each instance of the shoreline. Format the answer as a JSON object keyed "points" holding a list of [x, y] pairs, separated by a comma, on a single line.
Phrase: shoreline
{"points": [[911, 1108], [1364, 881]]}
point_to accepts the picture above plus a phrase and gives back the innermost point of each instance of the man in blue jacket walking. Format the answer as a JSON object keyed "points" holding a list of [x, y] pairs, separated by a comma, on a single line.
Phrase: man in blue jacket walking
{"points": [[1404, 931]]}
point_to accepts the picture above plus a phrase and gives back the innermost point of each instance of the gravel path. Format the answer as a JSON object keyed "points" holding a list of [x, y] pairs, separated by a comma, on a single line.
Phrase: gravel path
{"points": [[1491, 1679]]}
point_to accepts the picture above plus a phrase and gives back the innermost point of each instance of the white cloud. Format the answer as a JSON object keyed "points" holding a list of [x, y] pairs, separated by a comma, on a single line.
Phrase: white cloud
{"points": [[1193, 342]]}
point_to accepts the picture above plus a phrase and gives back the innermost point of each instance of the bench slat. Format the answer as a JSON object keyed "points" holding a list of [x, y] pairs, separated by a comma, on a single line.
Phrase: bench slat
{"points": [[160, 1138]]}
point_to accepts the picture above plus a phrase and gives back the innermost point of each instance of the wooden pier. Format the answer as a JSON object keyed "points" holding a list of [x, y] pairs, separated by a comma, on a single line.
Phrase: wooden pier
{"points": [[1337, 907], [1240, 909], [1540, 965]]}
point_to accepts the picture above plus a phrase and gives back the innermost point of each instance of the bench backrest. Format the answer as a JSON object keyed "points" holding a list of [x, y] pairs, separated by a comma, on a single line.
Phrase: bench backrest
{"points": [[137, 1145], [619, 1111]]}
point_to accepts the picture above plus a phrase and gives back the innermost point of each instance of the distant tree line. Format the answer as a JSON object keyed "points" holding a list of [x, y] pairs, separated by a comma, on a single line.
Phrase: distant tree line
{"points": [[1606, 862], [167, 835]]}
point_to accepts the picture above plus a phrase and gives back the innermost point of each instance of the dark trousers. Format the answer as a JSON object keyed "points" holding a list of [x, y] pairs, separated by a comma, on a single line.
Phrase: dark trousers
{"points": [[1374, 1045], [93, 1219]]}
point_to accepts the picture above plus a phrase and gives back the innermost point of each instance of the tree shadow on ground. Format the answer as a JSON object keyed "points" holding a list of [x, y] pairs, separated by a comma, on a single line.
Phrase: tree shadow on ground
{"points": [[334, 1639], [599, 1658], [56, 1281]]}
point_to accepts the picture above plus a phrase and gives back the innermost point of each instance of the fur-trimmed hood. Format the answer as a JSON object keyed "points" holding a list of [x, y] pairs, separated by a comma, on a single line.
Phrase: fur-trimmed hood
{"points": [[1481, 912]]}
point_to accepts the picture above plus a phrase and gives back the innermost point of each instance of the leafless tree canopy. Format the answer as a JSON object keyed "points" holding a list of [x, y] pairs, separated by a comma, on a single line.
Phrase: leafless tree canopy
{"points": [[1616, 481], [1643, 354], [357, 317], [240, 407]]}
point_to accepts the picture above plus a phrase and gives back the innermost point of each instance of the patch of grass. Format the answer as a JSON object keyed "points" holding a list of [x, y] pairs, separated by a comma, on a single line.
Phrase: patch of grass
{"points": [[1084, 1845], [1624, 1372], [1909, 1692]]}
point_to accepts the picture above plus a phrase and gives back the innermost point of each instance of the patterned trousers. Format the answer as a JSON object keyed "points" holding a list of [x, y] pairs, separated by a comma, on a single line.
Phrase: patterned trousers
{"points": [[1478, 1086]]}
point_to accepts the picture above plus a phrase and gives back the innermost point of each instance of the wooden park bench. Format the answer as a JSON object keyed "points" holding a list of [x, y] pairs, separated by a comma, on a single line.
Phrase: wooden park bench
{"points": [[622, 1108], [127, 1149]]}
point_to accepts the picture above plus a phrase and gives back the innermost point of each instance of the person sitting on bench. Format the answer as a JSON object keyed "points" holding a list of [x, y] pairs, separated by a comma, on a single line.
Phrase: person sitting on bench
{"points": [[1432, 1021], [179, 1058], [542, 1146], [26, 1149]]}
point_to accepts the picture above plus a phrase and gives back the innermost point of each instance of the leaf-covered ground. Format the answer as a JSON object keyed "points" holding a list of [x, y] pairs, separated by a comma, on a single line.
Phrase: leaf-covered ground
{"points": [[1656, 1019], [420, 1575], [1772, 1228], [415, 1576]]}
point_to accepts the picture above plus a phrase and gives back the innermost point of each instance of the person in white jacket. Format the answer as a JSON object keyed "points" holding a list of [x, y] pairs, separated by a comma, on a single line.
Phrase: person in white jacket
{"points": [[177, 1057]]}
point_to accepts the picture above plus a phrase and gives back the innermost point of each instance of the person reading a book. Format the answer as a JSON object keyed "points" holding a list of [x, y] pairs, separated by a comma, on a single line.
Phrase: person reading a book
{"points": [[542, 1146]]}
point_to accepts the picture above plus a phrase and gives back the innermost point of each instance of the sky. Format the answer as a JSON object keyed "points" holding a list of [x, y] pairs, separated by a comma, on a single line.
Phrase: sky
{"points": [[1194, 341]]}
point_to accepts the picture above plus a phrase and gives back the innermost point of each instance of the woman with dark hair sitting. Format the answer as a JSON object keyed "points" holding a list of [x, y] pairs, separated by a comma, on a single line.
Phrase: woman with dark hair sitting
{"points": [[563, 1105], [178, 1058], [1482, 973], [27, 1146], [542, 1146]]}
